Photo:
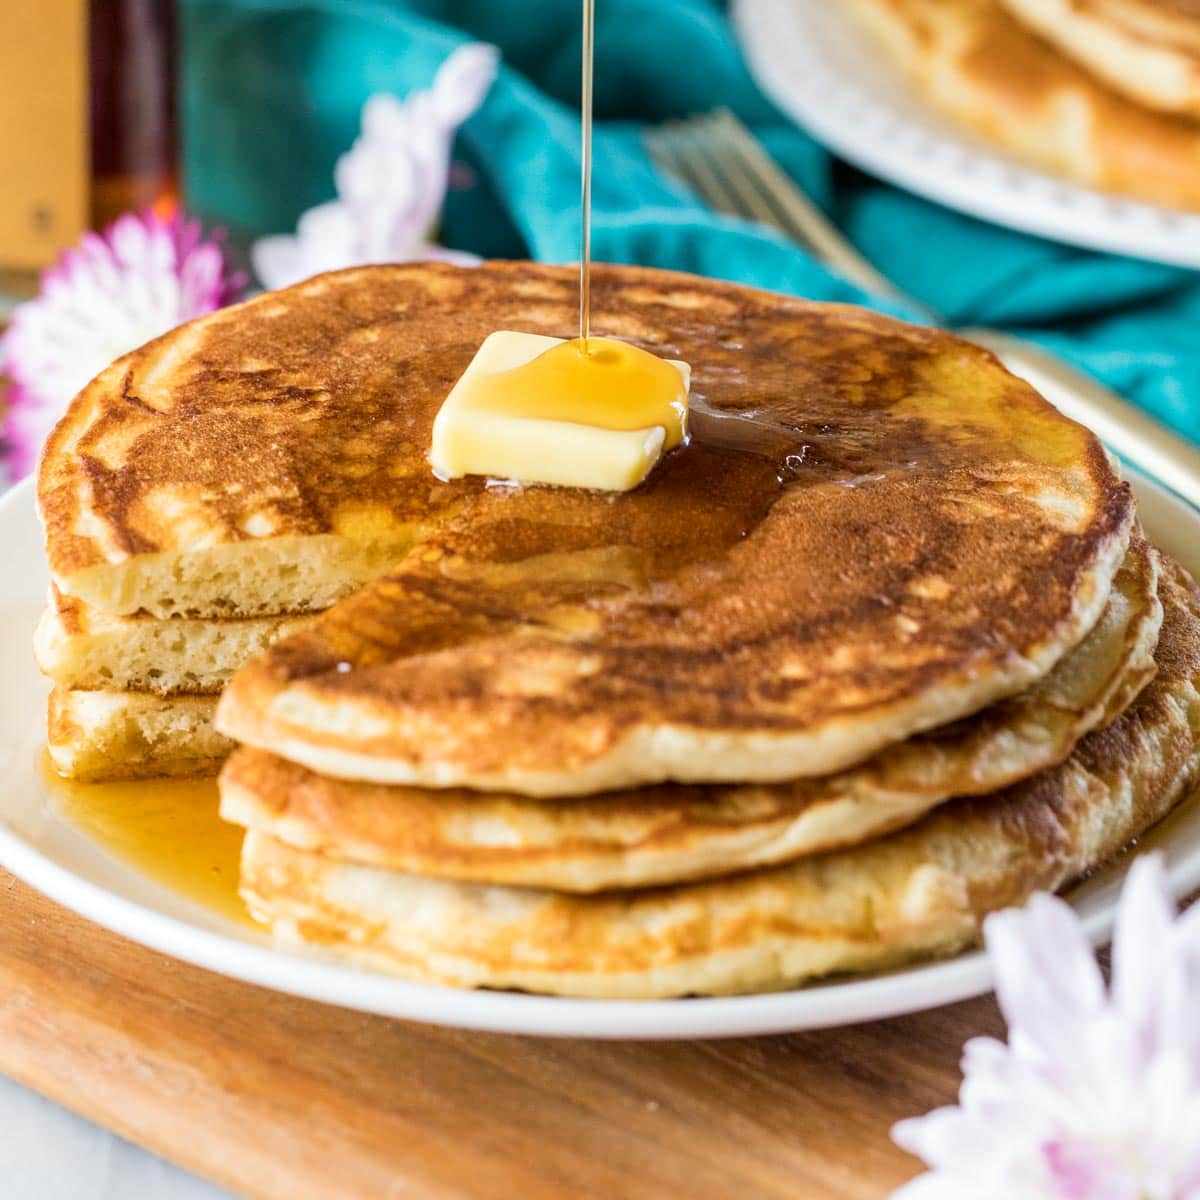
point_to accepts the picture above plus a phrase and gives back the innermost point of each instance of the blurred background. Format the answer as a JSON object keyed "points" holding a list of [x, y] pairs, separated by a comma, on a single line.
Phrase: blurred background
{"points": [[982, 165]]}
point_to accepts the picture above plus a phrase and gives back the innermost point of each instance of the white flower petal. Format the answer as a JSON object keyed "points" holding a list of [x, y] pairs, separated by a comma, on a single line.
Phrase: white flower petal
{"points": [[104, 297], [463, 81], [277, 261], [380, 114], [327, 223], [938, 1137], [391, 183], [1141, 941], [432, 252], [1046, 972], [1093, 1097]]}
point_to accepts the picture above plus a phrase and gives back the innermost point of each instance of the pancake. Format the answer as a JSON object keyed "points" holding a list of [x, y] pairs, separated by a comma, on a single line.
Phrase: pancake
{"points": [[98, 735], [1147, 49], [974, 61], [710, 625], [83, 647], [917, 893], [671, 833], [1167, 22]]}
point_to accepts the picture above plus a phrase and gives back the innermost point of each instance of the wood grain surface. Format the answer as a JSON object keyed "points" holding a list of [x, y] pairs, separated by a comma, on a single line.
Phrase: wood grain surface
{"points": [[285, 1099]]}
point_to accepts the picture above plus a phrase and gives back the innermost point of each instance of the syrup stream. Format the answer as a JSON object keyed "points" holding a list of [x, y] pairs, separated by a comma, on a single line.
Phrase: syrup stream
{"points": [[585, 177]]}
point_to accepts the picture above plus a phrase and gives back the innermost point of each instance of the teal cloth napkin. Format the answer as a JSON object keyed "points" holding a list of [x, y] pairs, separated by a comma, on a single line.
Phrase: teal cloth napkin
{"points": [[271, 96]]}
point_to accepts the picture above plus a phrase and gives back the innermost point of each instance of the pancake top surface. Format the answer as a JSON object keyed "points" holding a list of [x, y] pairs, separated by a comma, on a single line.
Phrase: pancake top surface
{"points": [[875, 528], [309, 411]]}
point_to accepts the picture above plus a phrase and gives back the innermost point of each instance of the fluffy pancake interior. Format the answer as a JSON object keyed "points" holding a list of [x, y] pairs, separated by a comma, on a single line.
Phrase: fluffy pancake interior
{"points": [[83, 647], [101, 735]]}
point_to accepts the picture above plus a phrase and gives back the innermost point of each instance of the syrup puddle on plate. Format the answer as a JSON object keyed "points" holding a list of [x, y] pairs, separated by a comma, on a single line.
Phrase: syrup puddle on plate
{"points": [[167, 829]]}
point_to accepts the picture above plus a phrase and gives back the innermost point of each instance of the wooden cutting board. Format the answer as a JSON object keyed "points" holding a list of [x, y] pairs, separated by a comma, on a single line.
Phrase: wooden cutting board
{"points": [[284, 1099]]}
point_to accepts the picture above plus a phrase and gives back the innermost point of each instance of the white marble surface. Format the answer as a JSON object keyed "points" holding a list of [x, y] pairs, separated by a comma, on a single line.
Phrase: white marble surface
{"points": [[48, 1153]]}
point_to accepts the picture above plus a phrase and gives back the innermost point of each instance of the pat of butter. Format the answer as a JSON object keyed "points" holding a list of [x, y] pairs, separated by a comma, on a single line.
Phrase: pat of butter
{"points": [[560, 428]]}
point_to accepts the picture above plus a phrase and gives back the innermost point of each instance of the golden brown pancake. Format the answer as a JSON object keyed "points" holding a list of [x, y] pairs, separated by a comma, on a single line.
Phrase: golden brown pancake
{"points": [[874, 530], [974, 61], [921, 892], [671, 833], [1149, 50]]}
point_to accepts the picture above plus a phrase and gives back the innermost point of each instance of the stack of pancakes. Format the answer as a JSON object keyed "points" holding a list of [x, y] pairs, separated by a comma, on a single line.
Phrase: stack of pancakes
{"points": [[134, 694], [880, 650], [1104, 92]]}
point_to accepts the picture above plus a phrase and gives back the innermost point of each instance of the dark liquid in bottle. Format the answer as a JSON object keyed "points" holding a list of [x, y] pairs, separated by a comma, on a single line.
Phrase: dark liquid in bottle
{"points": [[134, 126]]}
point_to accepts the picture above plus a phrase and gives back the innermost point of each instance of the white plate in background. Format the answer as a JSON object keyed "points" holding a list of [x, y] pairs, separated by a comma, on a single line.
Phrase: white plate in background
{"points": [[816, 63]]}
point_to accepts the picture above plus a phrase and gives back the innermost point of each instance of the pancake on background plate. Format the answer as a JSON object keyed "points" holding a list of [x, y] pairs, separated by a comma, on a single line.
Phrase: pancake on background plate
{"points": [[1147, 49], [975, 61]]}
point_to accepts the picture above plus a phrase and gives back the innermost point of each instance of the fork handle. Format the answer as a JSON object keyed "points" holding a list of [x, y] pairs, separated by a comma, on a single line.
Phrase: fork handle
{"points": [[804, 221], [1132, 433]]}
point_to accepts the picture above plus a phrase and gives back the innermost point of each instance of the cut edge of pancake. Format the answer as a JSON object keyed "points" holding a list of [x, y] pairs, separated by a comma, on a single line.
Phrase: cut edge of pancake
{"points": [[95, 736], [87, 649], [284, 575]]}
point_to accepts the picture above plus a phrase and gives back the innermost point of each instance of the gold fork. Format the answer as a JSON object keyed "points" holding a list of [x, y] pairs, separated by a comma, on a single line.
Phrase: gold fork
{"points": [[718, 157]]}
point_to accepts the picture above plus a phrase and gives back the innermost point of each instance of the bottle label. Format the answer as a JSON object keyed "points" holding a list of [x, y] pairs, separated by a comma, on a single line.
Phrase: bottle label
{"points": [[43, 130]]}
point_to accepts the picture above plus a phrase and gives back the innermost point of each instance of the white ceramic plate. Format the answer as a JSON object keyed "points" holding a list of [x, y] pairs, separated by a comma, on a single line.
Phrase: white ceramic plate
{"points": [[41, 846], [819, 67]]}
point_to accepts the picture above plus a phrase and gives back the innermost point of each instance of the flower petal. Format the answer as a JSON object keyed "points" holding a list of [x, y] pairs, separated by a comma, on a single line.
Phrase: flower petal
{"points": [[391, 183], [462, 82], [1047, 978], [1141, 941], [105, 296]]}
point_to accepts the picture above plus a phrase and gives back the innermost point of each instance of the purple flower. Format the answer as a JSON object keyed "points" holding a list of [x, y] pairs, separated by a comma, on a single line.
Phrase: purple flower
{"points": [[115, 290], [1096, 1095]]}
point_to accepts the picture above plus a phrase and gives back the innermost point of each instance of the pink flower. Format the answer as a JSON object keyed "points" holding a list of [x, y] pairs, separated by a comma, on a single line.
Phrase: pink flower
{"points": [[391, 183], [140, 277], [1096, 1095]]}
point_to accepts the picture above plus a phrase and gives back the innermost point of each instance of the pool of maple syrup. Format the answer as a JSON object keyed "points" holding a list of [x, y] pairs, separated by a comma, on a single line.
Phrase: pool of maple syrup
{"points": [[168, 829]]}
